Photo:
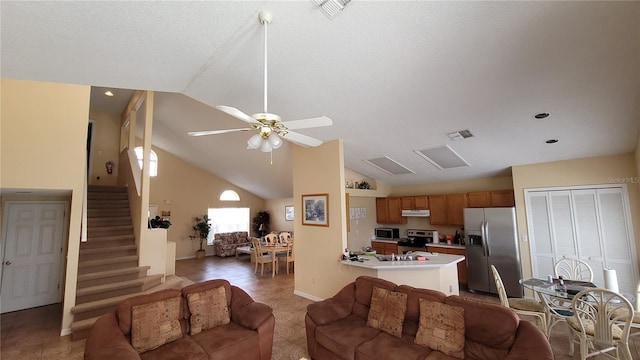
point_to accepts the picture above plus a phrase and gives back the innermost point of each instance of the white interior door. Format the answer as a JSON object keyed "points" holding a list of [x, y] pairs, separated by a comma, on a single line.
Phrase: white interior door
{"points": [[32, 258], [592, 224]]}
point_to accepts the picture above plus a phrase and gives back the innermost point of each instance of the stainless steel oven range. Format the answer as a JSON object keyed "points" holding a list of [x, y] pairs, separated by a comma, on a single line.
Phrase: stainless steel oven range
{"points": [[416, 240]]}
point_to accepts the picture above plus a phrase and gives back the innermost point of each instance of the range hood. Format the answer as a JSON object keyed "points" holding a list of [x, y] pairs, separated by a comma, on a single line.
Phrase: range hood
{"points": [[416, 213]]}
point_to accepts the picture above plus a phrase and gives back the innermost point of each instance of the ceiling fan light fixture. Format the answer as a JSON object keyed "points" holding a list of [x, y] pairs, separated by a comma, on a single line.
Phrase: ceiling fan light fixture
{"points": [[275, 141], [254, 142], [265, 146]]}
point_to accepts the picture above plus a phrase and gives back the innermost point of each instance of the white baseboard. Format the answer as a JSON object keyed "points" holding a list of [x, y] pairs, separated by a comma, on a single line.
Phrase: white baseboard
{"points": [[65, 332], [306, 296]]}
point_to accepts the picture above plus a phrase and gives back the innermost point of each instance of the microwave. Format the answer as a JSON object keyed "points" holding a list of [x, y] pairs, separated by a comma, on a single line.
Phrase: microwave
{"points": [[387, 233]]}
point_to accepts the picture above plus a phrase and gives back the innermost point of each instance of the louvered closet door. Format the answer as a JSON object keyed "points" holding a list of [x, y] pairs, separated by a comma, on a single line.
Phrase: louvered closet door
{"points": [[589, 224], [619, 254]]}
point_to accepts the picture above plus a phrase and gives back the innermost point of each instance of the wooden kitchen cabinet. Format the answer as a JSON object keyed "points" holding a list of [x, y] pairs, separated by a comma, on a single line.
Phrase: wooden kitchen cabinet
{"points": [[502, 198], [498, 198], [389, 210], [447, 209], [478, 199], [462, 266], [384, 248], [415, 202]]}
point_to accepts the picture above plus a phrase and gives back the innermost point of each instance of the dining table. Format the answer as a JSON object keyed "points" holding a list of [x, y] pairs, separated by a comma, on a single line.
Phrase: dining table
{"points": [[273, 250]]}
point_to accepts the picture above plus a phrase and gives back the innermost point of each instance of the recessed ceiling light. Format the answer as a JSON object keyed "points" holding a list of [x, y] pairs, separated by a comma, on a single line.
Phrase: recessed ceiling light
{"points": [[541, 115], [108, 93], [551, 141]]}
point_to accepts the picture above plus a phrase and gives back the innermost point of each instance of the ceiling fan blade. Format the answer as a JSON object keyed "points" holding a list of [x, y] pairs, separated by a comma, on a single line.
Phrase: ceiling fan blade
{"points": [[215, 132], [308, 123], [236, 113], [302, 140]]}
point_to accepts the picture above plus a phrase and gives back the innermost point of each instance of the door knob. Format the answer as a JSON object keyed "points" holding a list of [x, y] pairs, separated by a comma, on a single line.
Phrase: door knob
{"points": [[7, 262]]}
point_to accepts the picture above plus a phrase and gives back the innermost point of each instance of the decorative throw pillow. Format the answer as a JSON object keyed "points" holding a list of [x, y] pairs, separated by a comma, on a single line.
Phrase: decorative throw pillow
{"points": [[441, 328], [208, 309], [155, 324], [387, 310]]}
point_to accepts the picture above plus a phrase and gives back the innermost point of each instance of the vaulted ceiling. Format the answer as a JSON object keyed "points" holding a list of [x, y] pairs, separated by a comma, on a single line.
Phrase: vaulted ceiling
{"points": [[394, 76]]}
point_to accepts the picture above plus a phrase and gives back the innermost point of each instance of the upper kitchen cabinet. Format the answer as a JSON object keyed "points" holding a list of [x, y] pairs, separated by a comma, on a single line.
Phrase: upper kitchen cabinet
{"points": [[389, 210], [447, 209], [415, 202], [499, 198]]}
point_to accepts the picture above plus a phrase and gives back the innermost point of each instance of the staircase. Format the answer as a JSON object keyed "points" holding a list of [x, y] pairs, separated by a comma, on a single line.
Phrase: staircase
{"points": [[108, 270]]}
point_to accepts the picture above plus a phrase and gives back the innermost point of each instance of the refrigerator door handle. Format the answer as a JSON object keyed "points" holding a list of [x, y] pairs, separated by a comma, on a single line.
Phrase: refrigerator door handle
{"points": [[485, 230]]}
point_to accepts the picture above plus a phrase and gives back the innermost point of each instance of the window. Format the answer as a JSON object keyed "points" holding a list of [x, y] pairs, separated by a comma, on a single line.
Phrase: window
{"points": [[153, 161], [229, 195], [228, 220]]}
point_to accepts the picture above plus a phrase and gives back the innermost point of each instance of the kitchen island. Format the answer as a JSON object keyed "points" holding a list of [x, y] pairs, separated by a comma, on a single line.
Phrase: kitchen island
{"points": [[437, 272]]}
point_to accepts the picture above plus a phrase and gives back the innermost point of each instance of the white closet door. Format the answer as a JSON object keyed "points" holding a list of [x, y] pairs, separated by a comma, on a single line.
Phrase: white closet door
{"points": [[540, 233], [587, 234], [619, 254], [591, 224]]}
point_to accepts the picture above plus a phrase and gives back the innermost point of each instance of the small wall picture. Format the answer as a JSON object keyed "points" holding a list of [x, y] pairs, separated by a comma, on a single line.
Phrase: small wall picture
{"points": [[288, 213], [315, 210]]}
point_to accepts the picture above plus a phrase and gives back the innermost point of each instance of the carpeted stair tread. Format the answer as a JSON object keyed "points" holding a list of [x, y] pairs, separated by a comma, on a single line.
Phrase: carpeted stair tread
{"points": [[79, 328], [107, 249], [115, 286], [108, 238], [115, 260], [106, 188], [109, 273]]}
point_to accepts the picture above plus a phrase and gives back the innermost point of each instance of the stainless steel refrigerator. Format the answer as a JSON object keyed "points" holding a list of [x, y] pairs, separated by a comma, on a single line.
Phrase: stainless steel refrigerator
{"points": [[491, 239]]}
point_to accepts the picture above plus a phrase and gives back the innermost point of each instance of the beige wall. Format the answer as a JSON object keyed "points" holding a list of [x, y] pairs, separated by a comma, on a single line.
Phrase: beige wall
{"points": [[191, 191], [44, 132], [589, 171], [361, 230], [317, 249], [275, 208], [104, 147]]}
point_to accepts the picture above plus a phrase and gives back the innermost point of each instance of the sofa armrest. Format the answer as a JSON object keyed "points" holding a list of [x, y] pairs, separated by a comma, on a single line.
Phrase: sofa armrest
{"points": [[530, 343], [334, 308], [245, 311], [106, 341]]}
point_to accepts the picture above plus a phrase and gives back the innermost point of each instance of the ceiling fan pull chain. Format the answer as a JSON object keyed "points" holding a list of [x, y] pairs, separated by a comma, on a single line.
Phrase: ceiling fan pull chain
{"points": [[271, 162]]}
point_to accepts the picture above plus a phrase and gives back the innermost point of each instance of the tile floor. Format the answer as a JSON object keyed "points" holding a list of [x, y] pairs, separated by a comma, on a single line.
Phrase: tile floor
{"points": [[34, 333]]}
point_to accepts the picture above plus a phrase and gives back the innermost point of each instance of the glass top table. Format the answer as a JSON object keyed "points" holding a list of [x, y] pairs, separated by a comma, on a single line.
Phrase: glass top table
{"points": [[572, 287]]}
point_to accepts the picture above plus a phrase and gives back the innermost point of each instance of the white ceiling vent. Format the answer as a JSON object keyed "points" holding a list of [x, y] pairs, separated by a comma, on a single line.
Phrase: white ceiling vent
{"points": [[442, 157], [460, 135], [389, 166], [331, 7]]}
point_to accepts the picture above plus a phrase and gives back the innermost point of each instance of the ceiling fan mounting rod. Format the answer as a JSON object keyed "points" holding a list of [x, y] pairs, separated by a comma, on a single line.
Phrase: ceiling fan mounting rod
{"points": [[265, 18]]}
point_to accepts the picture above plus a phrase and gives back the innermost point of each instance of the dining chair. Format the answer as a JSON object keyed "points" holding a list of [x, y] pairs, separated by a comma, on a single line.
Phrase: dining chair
{"points": [[573, 269], [261, 257], [284, 237], [271, 239], [287, 258], [522, 306], [601, 323]]}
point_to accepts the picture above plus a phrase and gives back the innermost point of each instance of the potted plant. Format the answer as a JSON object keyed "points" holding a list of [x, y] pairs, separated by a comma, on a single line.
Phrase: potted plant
{"points": [[261, 223], [201, 230]]}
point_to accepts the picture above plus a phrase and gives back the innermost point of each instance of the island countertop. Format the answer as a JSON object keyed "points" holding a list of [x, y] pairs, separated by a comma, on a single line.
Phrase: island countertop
{"points": [[438, 272], [433, 261]]}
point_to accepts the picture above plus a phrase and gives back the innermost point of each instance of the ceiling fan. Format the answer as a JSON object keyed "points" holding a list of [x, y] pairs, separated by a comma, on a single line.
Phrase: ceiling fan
{"points": [[271, 130]]}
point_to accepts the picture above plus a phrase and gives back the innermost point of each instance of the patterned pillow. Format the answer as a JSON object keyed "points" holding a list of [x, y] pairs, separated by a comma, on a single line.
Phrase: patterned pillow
{"points": [[155, 324], [208, 309], [387, 311], [441, 328]]}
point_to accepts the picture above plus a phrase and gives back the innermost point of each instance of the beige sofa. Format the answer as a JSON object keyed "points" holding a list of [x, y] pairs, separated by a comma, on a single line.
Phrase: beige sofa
{"points": [[247, 335], [225, 244], [337, 328]]}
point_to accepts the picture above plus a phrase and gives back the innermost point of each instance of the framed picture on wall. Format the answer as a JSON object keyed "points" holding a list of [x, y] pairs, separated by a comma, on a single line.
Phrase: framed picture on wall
{"points": [[288, 212], [315, 210]]}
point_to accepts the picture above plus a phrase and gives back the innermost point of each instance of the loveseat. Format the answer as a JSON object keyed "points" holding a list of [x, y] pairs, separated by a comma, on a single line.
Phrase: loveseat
{"points": [[355, 324], [225, 244], [208, 320]]}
